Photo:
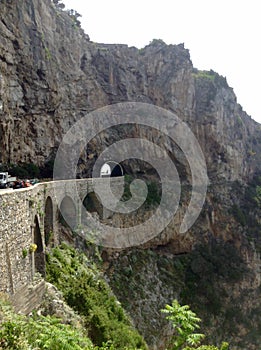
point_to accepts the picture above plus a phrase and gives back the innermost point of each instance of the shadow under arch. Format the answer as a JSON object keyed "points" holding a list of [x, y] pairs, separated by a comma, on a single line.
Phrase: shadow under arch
{"points": [[91, 204], [67, 214], [39, 255], [48, 221]]}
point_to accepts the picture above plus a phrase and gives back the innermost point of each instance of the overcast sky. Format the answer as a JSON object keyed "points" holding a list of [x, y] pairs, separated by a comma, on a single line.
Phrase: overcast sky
{"points": [[223, 35]]}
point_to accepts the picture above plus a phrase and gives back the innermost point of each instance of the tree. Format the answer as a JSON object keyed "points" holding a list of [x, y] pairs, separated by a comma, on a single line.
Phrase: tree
{"points": [[59, 4], [75, 15], [185, 322]]}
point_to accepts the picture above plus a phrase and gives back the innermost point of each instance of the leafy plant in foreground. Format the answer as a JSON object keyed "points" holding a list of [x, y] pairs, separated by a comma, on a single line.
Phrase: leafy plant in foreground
{"points": [[185, 322], [18, 332]]}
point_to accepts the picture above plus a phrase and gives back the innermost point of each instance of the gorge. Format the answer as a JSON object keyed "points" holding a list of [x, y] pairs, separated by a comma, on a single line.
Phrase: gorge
{"points": [[52, 75]]}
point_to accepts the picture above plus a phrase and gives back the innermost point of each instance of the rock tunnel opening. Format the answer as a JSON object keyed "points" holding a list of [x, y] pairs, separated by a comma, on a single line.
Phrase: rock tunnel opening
{"points": [[111, 169]]}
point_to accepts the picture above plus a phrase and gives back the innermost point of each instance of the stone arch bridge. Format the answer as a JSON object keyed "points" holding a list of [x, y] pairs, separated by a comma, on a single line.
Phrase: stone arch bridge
{"points": [[31, 216]]}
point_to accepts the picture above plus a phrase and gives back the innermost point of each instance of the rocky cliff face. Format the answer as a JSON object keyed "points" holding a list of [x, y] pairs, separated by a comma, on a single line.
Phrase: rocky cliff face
{"points": [[51, 75]]}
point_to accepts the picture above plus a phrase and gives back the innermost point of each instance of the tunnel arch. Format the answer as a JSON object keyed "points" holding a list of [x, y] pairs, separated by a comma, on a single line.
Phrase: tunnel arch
{"points": [[67, 214], [111, 169], [39, 256], [48, 221]]}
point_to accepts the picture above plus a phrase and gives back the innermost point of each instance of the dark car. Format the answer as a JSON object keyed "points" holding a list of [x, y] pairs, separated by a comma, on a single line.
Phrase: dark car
{"points": [[18, 184]]}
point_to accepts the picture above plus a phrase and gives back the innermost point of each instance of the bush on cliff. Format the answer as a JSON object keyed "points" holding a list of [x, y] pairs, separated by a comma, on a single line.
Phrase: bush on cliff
{"points": [[18, 332], [86, 292]]}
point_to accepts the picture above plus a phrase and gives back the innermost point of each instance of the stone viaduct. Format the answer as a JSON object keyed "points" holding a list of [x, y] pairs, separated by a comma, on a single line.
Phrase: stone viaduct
{"points": [[31, 216]]}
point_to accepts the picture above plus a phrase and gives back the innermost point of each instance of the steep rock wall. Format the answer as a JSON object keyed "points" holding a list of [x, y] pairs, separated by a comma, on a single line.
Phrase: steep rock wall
{"points": [[52, 74]]}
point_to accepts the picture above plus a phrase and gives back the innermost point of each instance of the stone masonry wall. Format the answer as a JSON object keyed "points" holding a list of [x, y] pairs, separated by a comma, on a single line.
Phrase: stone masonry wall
{"points": [[16, 235], [22, 218]]}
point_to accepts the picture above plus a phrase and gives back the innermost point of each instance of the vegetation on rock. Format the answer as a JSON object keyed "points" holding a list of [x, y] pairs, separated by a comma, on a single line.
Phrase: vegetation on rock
{"points": [[86, 292], [204, 279]]}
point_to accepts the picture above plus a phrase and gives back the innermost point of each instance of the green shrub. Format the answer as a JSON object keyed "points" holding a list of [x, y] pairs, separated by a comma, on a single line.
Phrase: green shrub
{"points": [[24, 170], [86, 291], [19, 332], [203, 74], [185, 322], [154, 191]]}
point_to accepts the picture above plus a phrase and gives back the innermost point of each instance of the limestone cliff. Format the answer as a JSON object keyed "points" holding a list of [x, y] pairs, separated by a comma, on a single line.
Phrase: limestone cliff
{"points": [[51, 75]]}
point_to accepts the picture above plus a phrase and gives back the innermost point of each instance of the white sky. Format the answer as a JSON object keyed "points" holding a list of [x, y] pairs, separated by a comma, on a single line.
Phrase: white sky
{"points": [[223, 35]]}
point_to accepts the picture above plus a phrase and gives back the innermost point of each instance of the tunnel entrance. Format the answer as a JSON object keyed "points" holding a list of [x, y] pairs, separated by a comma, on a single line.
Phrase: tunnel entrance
{"points": [[111, 169], [48, 222], [67, 213], [39, 256]]}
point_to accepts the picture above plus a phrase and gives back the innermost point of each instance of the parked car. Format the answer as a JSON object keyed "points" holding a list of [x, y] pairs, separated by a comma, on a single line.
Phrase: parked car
{"points": [[18, 184], [34, 181]]}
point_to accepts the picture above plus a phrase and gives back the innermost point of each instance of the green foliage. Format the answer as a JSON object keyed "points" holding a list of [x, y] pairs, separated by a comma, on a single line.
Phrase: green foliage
{"points": [[203, 74], [249, 198], [127, 193], [74, 16], [209, 266], [48, 55], [48, 238], [153, 197], [224, 346], [32, 169], [24, 253], [24, 170], [184, 322], [19, 332], [19, 171], [201, 279], [137, 275], [157, 42], [210, 76], [85, 291], [50, 333]]}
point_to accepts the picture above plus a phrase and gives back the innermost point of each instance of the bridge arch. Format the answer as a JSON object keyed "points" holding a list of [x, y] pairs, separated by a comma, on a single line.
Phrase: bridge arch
{"points": [[67, 214], [48, 221], [92, 204], [39, 256]]}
